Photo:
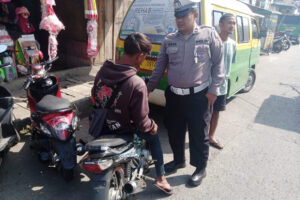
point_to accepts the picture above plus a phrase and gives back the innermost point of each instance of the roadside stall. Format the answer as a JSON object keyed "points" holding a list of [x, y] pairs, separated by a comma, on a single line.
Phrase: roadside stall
{"points": [[268, 25], [21, 27]]}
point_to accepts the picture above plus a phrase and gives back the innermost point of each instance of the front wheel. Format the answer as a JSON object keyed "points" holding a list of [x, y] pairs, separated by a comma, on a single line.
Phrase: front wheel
{"points": [[287, 45], [251, 80]]}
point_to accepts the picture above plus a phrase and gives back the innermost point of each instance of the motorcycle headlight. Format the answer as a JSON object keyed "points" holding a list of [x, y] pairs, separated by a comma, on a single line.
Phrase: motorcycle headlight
{"points": [[61, 130], [75, 123], [45, 130]]}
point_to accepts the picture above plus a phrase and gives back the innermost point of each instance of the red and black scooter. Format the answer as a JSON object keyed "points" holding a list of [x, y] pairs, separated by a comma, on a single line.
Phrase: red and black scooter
{"points": [[54, 119]]}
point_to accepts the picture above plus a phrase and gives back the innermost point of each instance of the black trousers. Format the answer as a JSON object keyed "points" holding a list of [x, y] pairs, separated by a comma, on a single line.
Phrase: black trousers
{"points": [[188, 112]]}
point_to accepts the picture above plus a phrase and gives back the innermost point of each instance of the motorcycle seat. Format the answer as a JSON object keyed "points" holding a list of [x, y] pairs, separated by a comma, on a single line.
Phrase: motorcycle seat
{"points": [[52, 104], [112, 140]]}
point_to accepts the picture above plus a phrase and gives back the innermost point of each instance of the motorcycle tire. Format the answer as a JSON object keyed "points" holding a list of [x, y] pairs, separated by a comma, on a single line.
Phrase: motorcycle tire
{"points": [[287, 45], [111, 185], [67, 174], [277, 48]]}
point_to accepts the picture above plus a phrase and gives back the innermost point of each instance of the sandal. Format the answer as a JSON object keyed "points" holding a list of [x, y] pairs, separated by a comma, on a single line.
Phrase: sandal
{"points": [[216, 144], [165, 190]]}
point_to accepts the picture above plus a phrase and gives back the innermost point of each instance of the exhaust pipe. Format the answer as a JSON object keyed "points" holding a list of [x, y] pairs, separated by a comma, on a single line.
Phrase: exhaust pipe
{"points": [[133, 187]]}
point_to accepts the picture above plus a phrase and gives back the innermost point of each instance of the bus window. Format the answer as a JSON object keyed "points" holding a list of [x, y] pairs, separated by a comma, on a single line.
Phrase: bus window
{"points": [[216, 18], [243, 29], [246, 30], [240, 29], [254, 29]]}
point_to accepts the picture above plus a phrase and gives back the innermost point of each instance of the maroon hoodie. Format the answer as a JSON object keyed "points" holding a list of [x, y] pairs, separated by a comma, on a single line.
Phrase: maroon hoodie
{"points": [[131, 104]]}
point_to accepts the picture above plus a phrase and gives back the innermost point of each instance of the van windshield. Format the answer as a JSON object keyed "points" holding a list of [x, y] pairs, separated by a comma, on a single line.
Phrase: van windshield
{"points": [[292, 20], [155, 18]]}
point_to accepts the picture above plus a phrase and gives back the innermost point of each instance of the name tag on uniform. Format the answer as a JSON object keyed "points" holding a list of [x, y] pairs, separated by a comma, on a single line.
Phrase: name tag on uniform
{"points": [[198, 42]]}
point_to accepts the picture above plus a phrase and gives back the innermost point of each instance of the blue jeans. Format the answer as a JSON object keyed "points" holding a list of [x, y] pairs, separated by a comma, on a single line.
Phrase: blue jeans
{"points": [[156, 151]]}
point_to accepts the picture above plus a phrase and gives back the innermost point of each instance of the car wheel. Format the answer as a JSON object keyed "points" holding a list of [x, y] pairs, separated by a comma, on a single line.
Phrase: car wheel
{"points": [[251, 80]]}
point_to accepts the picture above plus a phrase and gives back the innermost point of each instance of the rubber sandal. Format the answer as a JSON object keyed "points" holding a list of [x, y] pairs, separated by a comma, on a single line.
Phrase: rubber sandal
{"points": [[165, 190], [216, 145]]}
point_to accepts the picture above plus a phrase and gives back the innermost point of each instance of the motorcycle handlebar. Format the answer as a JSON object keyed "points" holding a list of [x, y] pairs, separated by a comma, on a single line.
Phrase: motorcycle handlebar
{"points": [[48, 62], [27, 83]]}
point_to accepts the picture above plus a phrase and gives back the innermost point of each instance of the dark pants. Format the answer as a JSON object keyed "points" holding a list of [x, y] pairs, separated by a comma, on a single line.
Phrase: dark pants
{"points": [[156, 151], [189, 111]]}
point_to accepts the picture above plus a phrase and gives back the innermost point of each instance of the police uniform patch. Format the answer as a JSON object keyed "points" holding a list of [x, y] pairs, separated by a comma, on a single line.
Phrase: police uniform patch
{"points": [[172, 44]]}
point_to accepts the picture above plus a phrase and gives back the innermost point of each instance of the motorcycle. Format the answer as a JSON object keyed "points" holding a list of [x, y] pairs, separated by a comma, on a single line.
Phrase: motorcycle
{"points": [[286, 41], [281, 42], [118, 164], [53, 119], [278, 44], [8, 134]]}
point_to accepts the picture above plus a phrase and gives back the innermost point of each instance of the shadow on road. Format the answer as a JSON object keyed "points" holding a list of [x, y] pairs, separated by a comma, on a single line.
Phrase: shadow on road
{"points": [[280, 112]]}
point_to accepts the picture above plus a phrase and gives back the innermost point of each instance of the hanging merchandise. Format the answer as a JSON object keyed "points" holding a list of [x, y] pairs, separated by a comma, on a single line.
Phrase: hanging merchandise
{"points": [[90, 11], [22, 17], [92, 38], [52, 24], [5, 37]]}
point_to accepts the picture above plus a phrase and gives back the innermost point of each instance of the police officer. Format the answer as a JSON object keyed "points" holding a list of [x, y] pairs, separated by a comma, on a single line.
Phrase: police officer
{"points": [[193, 56]]}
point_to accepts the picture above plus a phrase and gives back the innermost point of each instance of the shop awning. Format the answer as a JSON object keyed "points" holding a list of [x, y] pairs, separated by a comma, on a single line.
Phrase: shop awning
{"points": [[262, 11]]}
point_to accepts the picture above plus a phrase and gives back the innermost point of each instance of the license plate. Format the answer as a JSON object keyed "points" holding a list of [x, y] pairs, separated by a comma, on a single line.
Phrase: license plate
{"points": [[148, 65]]}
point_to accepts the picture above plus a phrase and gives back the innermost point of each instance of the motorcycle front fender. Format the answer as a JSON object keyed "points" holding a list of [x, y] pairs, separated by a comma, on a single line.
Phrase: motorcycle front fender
{"points": [[66, 152]]}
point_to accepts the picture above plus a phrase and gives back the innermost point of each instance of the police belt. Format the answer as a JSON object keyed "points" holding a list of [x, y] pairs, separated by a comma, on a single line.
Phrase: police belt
{"points": [[188, 91]]}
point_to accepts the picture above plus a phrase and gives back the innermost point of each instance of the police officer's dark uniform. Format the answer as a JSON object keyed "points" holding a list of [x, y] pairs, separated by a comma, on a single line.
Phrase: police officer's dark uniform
{"points": [[195, 67]]}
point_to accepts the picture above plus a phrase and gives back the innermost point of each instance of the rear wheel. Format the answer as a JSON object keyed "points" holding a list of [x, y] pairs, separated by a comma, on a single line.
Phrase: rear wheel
{"points": [[251, 80], [113, 189], [278, 47]]}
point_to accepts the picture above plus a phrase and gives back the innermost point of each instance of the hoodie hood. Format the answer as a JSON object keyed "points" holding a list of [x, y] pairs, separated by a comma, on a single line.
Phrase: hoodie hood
{"points": [[111, 73]]}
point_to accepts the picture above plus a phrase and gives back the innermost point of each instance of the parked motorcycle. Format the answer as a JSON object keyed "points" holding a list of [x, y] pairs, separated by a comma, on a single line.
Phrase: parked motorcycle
{"points": [[286, 41], [118, 163], [277, 44], [54, 120], [281, 42], [8, 135]]}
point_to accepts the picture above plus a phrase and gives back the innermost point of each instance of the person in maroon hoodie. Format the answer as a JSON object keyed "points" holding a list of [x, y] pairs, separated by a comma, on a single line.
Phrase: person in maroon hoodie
{"points": [[130, 109]]}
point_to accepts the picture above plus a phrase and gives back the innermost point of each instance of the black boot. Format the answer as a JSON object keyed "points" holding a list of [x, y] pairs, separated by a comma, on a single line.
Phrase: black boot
{"points": [[197, 177], [171, 167]]}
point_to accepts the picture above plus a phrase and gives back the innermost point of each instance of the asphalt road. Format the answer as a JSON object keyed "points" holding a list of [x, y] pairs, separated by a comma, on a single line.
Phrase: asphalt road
{"points": [[260, 130]]}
